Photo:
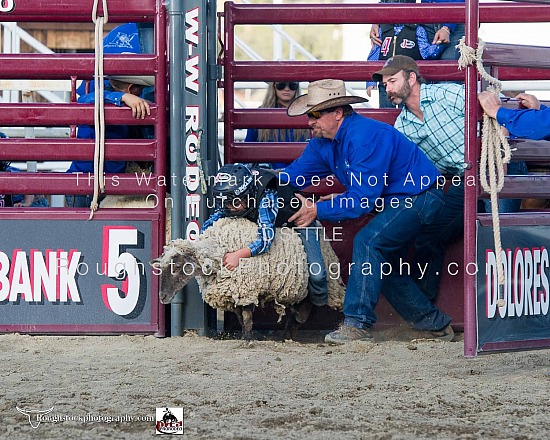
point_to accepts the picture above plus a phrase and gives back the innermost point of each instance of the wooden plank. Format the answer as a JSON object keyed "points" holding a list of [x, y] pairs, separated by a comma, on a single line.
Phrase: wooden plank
{"points": [[518, 187], [530, 150], [496, 54]]}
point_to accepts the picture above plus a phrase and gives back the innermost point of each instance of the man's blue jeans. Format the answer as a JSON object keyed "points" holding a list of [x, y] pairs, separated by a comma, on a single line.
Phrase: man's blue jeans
{"points": [[381, 244], [447, 228], [451, 52], [317, 281]]}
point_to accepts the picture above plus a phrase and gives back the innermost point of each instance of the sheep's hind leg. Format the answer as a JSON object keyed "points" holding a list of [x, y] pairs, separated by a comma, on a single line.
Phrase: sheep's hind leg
{"points": [[299, 314], [291, 325], [247, 322]]}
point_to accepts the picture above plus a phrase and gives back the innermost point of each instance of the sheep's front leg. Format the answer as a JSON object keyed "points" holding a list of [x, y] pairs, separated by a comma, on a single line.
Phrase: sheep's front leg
{"points": [[239, 312], [247, 322]]}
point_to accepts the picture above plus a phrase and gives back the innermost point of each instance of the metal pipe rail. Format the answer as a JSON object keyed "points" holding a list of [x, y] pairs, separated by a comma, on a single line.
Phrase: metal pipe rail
{"points": [[65, 66], [382, 13], [75, 67], [120, 11], [438, 70], [77, 149]]}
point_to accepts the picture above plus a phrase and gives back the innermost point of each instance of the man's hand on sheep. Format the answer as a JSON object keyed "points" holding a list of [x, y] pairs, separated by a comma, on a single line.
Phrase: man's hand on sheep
{"points": [[231, 260], [307, 213]]}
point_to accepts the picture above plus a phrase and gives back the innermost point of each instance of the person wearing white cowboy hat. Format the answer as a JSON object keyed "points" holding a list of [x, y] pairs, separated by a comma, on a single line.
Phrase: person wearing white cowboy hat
{"points": [[381, 171]]}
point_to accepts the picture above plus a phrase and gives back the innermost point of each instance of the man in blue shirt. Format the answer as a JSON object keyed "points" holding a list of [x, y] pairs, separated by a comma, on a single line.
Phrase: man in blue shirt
{"points": [[532, 121], [381, 171], [120, 93]]}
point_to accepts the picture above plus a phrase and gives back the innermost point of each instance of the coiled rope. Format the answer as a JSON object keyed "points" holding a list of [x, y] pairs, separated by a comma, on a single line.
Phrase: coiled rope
{"points": [[495, 152], [99, 105]]}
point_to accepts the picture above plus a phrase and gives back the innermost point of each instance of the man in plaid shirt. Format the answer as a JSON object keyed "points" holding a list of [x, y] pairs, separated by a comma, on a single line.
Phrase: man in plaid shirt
{"points": [[433, 117]]}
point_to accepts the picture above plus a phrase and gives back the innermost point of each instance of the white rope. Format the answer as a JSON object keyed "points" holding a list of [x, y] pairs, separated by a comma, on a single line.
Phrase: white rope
{"points": [[495, 152], [99, 105]]}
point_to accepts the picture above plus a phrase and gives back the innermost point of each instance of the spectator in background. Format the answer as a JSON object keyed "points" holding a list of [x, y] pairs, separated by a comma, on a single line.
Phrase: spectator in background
{"points": [[135, 92], [122, 91], [17, 200], [448, 34], [419, 42], [279, 95], [389, 40]]}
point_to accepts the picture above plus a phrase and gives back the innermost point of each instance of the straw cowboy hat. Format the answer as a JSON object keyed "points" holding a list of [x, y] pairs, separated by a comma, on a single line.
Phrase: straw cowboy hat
{"points": [[322, 94]]}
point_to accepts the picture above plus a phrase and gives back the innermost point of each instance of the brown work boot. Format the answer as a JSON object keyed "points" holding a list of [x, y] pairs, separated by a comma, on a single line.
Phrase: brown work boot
{"points": [[445, 334], [347, 333]]}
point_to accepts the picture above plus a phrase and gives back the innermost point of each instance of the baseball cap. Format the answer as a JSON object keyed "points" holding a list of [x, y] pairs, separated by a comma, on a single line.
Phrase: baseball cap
{"points": [[395, 64]]}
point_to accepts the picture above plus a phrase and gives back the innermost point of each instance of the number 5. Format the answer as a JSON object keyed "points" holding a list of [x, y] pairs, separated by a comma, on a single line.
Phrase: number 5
{"points": [[122, 266]]}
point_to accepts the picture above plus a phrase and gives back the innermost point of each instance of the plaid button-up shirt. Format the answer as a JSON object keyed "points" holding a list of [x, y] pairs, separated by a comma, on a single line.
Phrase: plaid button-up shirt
{"points": [[441, 134]]}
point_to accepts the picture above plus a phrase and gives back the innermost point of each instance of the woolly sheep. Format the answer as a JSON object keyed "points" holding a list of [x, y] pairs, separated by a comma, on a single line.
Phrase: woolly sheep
{"points": [[277, 277]]}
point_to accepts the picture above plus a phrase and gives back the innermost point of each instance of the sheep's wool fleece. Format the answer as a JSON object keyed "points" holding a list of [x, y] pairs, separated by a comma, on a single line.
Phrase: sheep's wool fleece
{"points": [[277, 276]]}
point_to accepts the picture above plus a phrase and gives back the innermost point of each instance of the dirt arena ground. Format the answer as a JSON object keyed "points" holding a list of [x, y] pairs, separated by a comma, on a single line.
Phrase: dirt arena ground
{"points": [[271, 389]]}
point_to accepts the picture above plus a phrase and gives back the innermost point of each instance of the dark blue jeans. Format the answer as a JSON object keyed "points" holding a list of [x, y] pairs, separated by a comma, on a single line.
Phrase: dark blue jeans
{"points": [[432, 242], [80, 201], [376, 250], [447, 228], [317, 281], [451, 52]]}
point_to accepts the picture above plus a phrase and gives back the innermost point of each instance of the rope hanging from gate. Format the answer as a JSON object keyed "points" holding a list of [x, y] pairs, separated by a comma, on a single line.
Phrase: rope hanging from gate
{"points": [[99, 105], [495, 152]]}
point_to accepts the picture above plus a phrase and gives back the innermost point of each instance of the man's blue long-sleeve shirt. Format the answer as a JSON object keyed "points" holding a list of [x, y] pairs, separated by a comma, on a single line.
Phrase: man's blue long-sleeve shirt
{"points": [[371, 159], [526, 123]]}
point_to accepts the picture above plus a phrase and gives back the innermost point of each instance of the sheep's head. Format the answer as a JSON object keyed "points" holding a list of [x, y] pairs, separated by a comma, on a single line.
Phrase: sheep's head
{"points": [[176, 266]]}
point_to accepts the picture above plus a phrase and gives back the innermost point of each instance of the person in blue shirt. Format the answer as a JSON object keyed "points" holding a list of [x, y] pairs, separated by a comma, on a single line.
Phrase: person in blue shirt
{"points": [[256, 195], [19, 200], [134, 92], [278, 95], [434, 41], [120, 92], [389, 40], [530, 121], [381, 171]]}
